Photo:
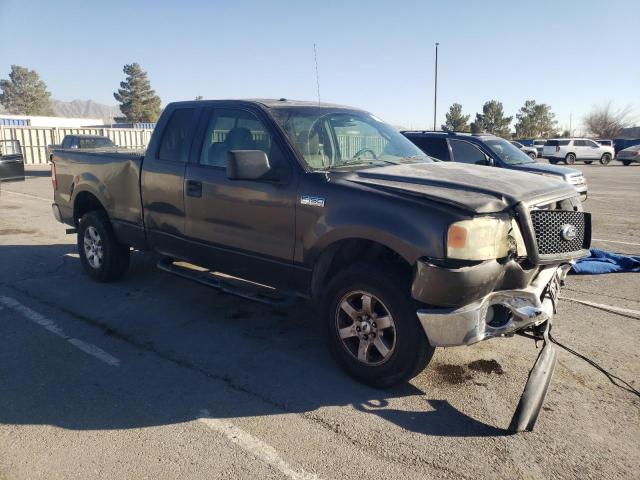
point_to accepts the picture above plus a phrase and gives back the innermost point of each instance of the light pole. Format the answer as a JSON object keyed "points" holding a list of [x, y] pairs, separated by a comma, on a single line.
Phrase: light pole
{"points": [[435, 90]]}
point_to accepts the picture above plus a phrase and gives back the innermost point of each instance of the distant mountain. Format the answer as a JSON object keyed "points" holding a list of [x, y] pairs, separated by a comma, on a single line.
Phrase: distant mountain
{"points": [[86, 109]]}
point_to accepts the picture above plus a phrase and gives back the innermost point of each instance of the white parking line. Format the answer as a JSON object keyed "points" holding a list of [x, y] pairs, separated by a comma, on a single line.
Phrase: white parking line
{"points": [[614, 241], [254, 446], [26, 195], [611, 308], [51, 326]]}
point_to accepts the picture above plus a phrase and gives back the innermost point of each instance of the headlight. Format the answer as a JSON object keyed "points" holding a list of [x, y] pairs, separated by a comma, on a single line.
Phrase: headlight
{"points": [[481, 238], [576, 180]]}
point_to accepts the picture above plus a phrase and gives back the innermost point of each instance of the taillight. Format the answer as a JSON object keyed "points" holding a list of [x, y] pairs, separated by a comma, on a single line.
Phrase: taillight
{"points": [[557, 148], [54, 181]]}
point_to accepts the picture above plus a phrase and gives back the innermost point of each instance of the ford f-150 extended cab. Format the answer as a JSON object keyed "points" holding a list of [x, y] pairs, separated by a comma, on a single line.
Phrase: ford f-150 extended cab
{"points": [[401, 254]]}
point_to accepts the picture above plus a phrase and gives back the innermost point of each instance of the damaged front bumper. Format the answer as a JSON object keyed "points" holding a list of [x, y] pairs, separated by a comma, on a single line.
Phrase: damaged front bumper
{"points": [[497, 314], [502, 313]]}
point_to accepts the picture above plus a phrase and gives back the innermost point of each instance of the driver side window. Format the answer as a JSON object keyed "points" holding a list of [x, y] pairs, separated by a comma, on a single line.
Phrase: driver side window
{"points": [[466, 152], [235, 129]]}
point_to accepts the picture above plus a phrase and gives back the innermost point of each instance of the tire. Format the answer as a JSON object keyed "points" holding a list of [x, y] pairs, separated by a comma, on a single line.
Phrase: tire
{"points": [[408, 351], [532, 155], [553, 161], [626, 163], [102, 257], [605, 159], [588, 162], [570, 159]]}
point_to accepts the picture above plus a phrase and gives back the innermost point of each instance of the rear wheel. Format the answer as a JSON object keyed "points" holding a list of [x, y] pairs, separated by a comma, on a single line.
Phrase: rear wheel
{"points": [[605, 159], [626, 163], [371, 326], [102, 257], [570, 159]]}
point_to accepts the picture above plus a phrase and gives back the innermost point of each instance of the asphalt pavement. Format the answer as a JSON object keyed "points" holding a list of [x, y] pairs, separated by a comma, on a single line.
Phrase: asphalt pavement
{"points": [[157, 377]]}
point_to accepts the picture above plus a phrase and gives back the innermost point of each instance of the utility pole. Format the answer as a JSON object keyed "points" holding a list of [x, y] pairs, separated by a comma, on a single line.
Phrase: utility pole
{"points": [[570, 130], [315, 58], [435, 90]]}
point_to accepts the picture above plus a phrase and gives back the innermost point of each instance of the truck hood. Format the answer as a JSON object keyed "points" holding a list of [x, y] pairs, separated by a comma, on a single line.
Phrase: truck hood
{"points": [[476, 189], [546, 168]]}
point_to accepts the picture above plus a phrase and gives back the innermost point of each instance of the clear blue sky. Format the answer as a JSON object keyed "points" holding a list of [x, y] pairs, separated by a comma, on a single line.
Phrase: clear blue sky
{"points": [[374, 55]]}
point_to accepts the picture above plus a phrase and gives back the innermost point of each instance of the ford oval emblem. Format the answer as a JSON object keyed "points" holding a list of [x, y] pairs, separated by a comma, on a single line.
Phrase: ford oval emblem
{"points": [[568, 232]]}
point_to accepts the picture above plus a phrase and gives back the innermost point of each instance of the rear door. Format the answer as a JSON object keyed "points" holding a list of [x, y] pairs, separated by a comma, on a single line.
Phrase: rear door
{"points": [[162, 182], [241, 227], [580, 149], [433, 146], [11, 161]]}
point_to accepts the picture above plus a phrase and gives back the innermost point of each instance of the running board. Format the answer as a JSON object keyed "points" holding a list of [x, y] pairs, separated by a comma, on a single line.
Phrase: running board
{"points": [[232, 285]]}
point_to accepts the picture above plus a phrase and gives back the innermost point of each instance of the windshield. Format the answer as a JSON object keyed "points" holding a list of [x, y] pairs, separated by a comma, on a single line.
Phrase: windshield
{"points": [[341, 139], [507, 152]]}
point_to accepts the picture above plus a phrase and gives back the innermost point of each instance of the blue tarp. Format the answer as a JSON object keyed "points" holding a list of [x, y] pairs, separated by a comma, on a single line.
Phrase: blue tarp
{"points": [[600, 261]]}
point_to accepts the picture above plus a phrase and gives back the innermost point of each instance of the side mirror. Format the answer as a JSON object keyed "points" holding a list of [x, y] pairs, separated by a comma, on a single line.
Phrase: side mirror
{"points": [[488, 161], [247, 164]]}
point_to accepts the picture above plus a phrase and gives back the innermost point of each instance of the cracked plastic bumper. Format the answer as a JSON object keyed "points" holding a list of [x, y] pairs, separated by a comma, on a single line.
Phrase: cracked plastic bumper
{"points": [[469, 324]]}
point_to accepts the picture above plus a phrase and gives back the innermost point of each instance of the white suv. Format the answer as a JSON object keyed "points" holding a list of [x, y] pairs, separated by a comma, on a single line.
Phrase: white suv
{"points": [[569, 150]]}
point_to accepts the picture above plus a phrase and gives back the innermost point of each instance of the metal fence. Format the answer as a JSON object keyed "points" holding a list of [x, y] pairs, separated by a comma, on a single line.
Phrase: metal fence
{"points": [[34, 140]]}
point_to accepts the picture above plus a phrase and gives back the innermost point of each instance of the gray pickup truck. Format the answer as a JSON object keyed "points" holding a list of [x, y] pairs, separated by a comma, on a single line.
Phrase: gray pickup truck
{"points": [[328, 203], [82, 142]]}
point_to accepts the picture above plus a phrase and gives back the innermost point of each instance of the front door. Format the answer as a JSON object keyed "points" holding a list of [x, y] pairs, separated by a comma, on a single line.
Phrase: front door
{"points": [[11, 161], [241, 227]]}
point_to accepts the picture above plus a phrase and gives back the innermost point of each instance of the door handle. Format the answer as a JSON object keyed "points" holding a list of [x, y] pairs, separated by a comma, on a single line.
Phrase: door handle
{"points": [[194, 188]]}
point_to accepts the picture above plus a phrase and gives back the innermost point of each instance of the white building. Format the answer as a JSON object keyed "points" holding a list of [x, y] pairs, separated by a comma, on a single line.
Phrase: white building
{"points": [[37, 121]]}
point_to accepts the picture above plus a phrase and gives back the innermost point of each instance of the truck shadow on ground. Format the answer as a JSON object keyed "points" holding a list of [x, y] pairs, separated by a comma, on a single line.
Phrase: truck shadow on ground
{"points": [[183, 348]]}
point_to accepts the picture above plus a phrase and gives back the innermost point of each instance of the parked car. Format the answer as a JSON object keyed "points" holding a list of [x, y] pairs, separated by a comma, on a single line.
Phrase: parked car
{"points": [[82, 142], [531, 151], [629, 155], [11, 161], [483, 149], [527, 142], [539, 144], [622, 143], [568, 150], [400, 253]]}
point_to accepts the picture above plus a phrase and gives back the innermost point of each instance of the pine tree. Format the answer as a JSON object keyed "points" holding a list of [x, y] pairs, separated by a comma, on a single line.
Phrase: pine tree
{"points": [[138, 102], [535, 120], [492, 120], [455, 120], [24, 93]]}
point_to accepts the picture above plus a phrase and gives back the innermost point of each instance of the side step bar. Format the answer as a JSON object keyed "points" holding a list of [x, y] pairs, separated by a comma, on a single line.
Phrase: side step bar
{"points": [[234, 286]]}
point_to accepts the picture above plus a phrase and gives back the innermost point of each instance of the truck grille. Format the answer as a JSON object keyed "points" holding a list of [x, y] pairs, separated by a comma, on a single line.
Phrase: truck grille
{"points": [[560, 231]]}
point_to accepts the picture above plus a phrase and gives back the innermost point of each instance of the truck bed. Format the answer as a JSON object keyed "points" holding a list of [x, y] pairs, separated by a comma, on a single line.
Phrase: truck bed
{"points": [[112, 176]]}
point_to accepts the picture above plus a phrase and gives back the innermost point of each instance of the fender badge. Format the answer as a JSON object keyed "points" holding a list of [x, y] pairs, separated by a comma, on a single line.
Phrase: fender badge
{"points": [[312, 201]]}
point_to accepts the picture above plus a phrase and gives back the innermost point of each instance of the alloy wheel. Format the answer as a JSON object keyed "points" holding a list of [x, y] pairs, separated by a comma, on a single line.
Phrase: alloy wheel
{"points": [[365, 327]]}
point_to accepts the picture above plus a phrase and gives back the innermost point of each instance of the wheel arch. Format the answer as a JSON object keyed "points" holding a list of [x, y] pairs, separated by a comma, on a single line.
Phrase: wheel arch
{"points": [[344, 252]]}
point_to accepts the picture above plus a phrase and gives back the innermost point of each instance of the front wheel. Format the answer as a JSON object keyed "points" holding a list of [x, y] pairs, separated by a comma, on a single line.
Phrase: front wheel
{"points": [[605, 159], [570, 159], [626, 163], [532, 155], [102, 257], [371, 327]]}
